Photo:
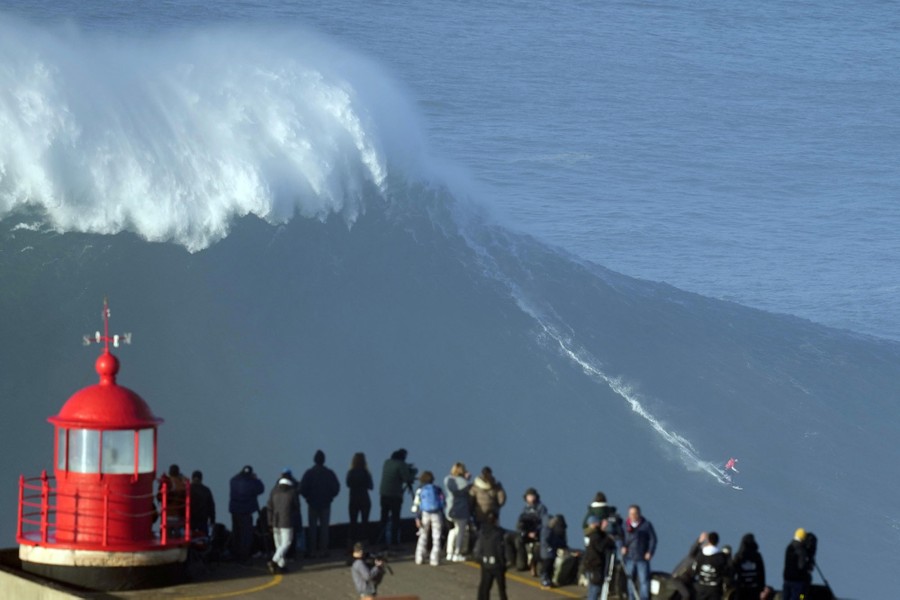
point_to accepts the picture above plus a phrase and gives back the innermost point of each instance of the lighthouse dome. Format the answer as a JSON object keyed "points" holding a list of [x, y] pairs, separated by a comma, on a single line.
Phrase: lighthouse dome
{"points": [[105, 405]]}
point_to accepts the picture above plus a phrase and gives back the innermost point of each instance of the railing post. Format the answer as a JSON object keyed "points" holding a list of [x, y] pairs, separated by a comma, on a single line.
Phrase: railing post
{"points": [[105, 514], [45, 506], [164, 521], [21, 500], [187, 511]]}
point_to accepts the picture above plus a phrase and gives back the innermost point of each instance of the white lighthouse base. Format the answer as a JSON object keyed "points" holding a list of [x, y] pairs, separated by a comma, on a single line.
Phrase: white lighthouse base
{"points": [[104, 570]]}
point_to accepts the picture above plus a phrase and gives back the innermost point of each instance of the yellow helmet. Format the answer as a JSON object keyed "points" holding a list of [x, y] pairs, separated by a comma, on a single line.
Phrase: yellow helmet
{"points": [[800, 534]]}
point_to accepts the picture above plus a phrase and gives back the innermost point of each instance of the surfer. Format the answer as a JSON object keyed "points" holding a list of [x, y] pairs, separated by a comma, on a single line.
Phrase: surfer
{"points": [[730, 470]]}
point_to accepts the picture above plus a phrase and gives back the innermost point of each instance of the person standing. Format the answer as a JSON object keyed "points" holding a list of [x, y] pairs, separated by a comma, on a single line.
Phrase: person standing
{"points": [[243, 503], [203, 506], [396, 476], [457, 485], [603, 511], [710, 570], [638, 549], [359, 482], [490, 552], [283, 504], [428, 506], [318, 486], [175, 486], [488, 495], [297, 516], [748, 570], [798, 566], [598, 553]]}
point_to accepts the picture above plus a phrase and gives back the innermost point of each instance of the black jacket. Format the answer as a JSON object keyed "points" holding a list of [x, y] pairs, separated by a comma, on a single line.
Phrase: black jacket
{"points": [[747, 566], [596, 556], [319, 486], [490, 549], [797, 564], [203, 507], [711, 571]]}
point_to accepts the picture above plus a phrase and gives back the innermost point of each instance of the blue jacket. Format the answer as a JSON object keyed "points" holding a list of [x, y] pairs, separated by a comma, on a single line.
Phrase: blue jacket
{"points": [[245, 487], [536, 518], [640, 540]]}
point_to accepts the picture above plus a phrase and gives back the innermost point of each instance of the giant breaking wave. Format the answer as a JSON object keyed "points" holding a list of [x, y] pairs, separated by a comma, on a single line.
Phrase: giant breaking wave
{"points": [[424, 325]]}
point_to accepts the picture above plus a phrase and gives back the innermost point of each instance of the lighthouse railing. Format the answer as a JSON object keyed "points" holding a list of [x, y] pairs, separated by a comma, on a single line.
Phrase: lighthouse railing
{"points": [[35, 509], [37, 515]]}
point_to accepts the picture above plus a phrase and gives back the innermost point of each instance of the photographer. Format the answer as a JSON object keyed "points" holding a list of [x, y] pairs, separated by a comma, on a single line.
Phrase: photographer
{"points": [[396, 476], [366, 576]]}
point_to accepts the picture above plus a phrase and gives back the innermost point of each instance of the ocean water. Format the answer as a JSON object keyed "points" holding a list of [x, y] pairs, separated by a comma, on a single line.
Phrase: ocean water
{"points": [[742, 152], [327, 223]]}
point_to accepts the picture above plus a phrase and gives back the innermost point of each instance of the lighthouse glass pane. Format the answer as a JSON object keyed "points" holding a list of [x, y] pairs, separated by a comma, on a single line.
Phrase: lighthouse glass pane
{"points": [[145, 451], [84, 451], [118, 451], [61, 449]]}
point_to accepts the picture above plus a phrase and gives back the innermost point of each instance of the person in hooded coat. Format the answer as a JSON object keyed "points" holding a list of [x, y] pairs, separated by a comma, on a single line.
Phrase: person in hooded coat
{"points": [[396, 476], [457, 485], [533, 527], [710, 570], [242, 504], [283, 504], [599, 550], [490, 552], [488, 496], [605, 512], [749, 570]]}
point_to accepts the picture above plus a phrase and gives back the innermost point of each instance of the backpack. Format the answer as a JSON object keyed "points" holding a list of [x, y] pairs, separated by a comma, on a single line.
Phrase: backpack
{"points": [[431, 498]]}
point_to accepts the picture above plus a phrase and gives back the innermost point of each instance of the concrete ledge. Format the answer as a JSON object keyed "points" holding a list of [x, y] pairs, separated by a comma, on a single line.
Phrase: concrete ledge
{"points": [[15, 583], [14, 586]]}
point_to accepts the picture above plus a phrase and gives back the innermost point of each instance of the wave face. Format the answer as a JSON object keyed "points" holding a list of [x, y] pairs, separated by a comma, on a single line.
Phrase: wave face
{"points": [[423, 326]]}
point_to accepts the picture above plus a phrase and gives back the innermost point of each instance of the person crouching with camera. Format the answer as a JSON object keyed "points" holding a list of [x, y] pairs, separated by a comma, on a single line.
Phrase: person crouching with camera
{"points": [[366, 575]]}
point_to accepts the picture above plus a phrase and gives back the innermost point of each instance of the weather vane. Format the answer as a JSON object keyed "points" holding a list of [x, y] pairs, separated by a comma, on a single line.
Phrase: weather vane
{"points": [[125, 338]]}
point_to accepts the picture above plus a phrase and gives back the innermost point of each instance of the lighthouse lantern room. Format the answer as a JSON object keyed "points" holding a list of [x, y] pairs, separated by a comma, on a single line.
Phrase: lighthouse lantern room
{"points": [[92, 523]]}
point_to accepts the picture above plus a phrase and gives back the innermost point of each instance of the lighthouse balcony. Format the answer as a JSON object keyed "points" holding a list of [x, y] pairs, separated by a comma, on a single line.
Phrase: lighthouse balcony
{"points": [[99, 518]]}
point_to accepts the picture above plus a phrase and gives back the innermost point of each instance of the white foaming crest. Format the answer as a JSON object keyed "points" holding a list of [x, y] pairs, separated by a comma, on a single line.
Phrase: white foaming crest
{"points": [[174, 136]]}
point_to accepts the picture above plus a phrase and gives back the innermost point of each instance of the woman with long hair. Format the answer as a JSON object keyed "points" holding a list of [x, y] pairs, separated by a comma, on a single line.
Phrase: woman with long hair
{"points": [[359, 482]]}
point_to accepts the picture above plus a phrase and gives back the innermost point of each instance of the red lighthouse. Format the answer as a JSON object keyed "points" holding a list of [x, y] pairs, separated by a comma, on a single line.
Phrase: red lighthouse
{"points": [[92, 524]]}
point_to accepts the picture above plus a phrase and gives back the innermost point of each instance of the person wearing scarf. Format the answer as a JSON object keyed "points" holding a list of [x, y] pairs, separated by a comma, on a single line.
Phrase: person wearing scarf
{"points": [[638, 549]]}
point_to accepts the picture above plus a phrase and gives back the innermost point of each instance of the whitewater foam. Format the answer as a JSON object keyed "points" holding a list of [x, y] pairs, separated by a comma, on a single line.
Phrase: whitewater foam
{"points": [[173, 137], [683, 448]]}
